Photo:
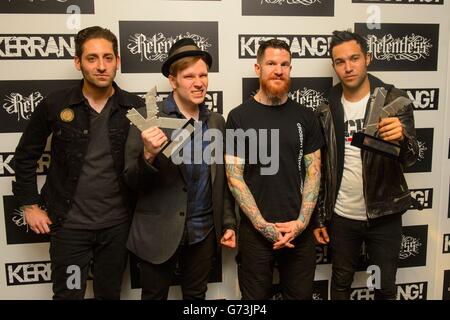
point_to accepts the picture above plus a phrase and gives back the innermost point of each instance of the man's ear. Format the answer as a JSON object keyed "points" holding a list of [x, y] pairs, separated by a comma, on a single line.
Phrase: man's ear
{"points": [[257, 69], [118, 62], [173, 82], [368, 59], [77, 63]]}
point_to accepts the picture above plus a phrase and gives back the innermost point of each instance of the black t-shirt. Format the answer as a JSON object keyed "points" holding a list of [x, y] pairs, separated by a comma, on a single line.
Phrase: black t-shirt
{"points": [[277, 191], [97, 202]]}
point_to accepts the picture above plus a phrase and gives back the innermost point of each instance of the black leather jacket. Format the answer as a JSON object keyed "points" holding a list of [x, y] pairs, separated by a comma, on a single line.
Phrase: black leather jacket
{"points": [[385, 188], [68, 147]]}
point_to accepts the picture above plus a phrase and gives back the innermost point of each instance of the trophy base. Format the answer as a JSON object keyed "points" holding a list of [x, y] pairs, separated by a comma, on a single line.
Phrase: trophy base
{"points": [[377, 145]]}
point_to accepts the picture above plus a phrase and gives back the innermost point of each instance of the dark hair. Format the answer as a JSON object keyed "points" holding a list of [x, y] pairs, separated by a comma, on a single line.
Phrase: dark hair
{"points": [[271, 43], [95, 32], [339, 37]]}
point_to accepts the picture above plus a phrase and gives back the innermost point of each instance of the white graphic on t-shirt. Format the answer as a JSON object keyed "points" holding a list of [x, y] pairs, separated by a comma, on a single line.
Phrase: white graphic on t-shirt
{"points": [[352, 126], [300, 155]]}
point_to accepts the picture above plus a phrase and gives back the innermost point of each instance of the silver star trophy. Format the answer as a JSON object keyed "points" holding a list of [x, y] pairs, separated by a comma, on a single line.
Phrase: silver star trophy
{"points": [[369, 139], [184, 127]]}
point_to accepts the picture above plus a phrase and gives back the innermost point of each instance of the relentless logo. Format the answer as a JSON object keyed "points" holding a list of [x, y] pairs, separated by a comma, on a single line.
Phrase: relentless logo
{"points": [[402, 47], [446, 244], [405, 291], [302, 46], [422, 198], [409, 247], [213, 99], [17, 231], [7, 164], [422, 149], [425, 156], [400, 1], [308, 97], [410, 47], [145, 52], [288, 7], [44, 46], [28, 273], [413, 249], [22, 106], [18, 219], [310, 92], [46, 6], [20, 98], [424, 99], [156, 47]]}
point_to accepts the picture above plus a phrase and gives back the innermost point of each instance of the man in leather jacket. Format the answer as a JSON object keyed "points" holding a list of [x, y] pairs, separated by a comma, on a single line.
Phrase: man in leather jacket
{"points": [[84, 205], [363, 194]]}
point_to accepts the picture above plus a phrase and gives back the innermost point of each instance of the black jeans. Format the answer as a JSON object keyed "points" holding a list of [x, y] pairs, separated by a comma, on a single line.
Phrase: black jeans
{"points": [[73, 250], [382, 238], [256, 260], [195, 264]]}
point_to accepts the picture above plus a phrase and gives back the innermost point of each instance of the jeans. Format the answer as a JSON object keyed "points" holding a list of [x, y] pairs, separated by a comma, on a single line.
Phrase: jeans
{"points": [[256, 260], [72, 251], [382, 237]]}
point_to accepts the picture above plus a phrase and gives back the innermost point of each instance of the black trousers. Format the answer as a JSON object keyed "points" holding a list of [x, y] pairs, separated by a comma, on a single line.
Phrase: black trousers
{"points": [[72, 251], [195, 264], [256, 260], [382, 237]]}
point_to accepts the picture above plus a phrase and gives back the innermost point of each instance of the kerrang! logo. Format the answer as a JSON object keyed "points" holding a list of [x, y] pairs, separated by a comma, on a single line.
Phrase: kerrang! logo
{"points": [[22, 106], [308, 97], [281, 2], [156, 47], [411, 47], [409, 247]]}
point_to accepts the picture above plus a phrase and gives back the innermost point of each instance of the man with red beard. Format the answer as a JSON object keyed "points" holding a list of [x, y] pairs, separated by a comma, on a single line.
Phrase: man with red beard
{"points": [[275, 206]]}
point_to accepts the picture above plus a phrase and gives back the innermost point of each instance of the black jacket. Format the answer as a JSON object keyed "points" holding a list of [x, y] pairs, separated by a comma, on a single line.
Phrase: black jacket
{"points": [[69, 143], [160, 214], [385, 188]]}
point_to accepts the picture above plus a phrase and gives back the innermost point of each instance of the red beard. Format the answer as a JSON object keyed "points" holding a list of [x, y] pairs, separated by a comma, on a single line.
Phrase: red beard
{"points": [[273, 89]]}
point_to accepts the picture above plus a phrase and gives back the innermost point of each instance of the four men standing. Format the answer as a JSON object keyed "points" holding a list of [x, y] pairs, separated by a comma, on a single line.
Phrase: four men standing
{"points": [[184, 211]]}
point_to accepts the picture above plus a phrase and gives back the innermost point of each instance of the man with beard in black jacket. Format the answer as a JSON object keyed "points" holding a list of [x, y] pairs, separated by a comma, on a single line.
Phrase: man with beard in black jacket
{"points": [[85, 206]]}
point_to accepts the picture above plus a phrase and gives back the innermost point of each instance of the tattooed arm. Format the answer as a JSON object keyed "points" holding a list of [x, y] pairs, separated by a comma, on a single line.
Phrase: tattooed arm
{"points": [[244, 197], [292, 229]]}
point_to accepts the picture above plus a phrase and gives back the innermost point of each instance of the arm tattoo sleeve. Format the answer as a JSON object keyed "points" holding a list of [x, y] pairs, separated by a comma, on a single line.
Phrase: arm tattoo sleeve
{"points": [[311, 186], [244, 197]]}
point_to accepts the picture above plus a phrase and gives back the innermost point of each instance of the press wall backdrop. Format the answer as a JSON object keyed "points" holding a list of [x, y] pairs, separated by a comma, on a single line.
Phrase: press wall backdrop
{"points": [[409, 40]]}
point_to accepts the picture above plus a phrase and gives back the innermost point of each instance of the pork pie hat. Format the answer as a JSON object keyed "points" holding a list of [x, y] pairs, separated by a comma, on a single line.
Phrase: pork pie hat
{"points": [[185, 47]]}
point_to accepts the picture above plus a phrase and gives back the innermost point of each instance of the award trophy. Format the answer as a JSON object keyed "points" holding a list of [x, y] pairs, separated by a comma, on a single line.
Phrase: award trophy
{"points": [[368, 139], [184, 127]]}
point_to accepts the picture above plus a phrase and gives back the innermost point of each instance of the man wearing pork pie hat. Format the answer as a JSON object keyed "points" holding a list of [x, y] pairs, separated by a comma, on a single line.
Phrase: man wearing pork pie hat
{"points": [[182, 211]]}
